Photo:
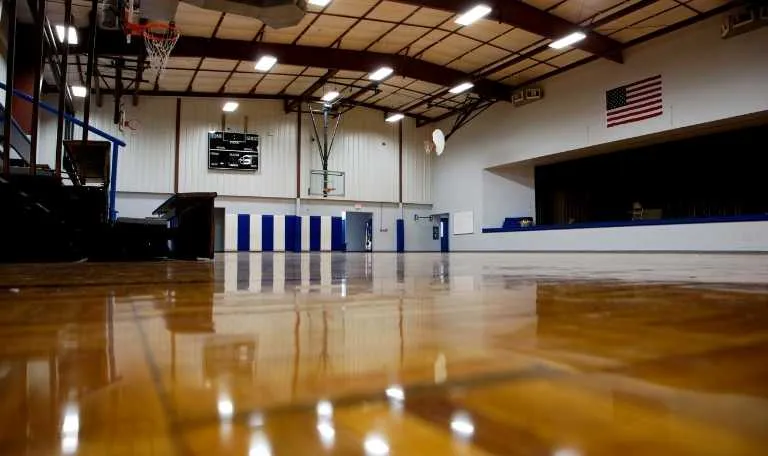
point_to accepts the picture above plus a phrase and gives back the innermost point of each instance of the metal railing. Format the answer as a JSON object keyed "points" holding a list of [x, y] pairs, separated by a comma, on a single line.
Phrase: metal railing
{"points": [[117, 143]]}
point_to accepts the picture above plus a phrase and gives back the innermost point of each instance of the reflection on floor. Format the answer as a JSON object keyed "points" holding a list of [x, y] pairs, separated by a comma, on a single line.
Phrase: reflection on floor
{"points": [[361, 354]]}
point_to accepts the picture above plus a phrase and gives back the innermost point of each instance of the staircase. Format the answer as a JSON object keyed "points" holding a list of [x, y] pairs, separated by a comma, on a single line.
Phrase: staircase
{"points": [[41, 217]]}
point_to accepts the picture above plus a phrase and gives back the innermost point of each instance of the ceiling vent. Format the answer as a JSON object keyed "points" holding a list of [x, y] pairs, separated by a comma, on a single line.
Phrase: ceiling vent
{"points": [[274, 13], [744, 20]]}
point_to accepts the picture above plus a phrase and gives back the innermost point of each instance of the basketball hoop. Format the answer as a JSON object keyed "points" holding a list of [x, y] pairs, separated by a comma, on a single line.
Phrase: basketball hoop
{"points": [[159, 39]]}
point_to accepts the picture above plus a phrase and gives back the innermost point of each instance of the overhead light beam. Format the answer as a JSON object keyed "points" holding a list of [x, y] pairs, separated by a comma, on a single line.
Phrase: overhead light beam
{"points": [[463, 87], [330, 96], [568, 40], [381, 74], [473, 15], [265, 63]]}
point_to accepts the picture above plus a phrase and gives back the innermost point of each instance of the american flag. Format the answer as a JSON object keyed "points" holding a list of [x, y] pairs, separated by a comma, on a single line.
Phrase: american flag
{"points": [[633, 102]]}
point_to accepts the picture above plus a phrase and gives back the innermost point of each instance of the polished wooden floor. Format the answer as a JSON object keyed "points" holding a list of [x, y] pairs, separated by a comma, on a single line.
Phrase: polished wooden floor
{"points": [[418, 354]]}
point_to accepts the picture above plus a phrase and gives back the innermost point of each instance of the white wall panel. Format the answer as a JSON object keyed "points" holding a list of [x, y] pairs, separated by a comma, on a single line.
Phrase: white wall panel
{"points": [[704, 237], [230, 233], [325, 233], [305, 233], [417, 164], [277, 131], [255, 233], [279, 233], [146, 163], [366, 149]]}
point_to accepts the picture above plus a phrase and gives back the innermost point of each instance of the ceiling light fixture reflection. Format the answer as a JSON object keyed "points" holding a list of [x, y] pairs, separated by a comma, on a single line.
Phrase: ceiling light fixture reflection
{"points": [[462, 426], [381, 74], [256, 420], [376, 445], [265, 63], [324, 409], [476, 13], [259, 445], [463, 87], [70, 428], [226, 408], [71, 36], [574, 37], [395, 392], [327, 433]]}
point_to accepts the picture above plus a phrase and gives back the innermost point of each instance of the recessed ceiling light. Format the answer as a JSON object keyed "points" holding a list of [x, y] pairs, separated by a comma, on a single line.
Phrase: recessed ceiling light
{"points": [[230, 106], [574, 37], [319, 2], [78, 91], [330, 96], [381, 74], [392, 118], [265, 63], [462, 87], [478, 12], [71, 36]]}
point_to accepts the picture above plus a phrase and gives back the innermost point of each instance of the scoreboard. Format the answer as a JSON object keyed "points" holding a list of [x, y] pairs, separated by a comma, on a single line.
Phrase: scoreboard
{"points": [[235, 151]]}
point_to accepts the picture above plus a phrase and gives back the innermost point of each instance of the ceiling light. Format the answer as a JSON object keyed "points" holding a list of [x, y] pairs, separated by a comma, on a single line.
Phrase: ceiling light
{"points": [[265, 63], [330, 96], [71, 36], [79, 91], [574, 37], [392, 118], [463, 87], [230, 106], [319, 2], [473, 15], [381, 74]]}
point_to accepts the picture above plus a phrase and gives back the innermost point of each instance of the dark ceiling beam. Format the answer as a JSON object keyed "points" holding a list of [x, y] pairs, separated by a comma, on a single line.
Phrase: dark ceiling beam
{"points": [[529, 18], [110, 43], [321, 81], [244, 96]]}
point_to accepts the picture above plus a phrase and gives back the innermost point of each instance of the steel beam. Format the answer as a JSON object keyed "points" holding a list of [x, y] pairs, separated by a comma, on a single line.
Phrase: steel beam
{"points": [[39, 59], [91, 52], [63, 88], [524, 16], [244, 96], [9, 9], [330, 58], [291, 105]]}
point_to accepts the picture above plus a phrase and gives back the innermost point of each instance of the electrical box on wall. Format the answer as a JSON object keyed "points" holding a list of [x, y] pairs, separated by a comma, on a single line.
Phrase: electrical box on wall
{"points": [[527, 95]]}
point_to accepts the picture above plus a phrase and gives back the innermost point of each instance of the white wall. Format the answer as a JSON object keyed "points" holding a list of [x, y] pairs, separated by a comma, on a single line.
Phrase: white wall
{"points": [[705, 237], [705, 79]]}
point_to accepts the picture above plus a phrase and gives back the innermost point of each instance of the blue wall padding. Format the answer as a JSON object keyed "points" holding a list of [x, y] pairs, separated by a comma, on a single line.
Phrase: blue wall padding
{"points": [[400, 235], [267, 233], [292, 233], [337, 234], [314, 233], [243, 232]]}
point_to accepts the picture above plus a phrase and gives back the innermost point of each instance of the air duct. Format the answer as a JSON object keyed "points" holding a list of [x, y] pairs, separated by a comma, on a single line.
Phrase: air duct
{"points": [[274, 13]]}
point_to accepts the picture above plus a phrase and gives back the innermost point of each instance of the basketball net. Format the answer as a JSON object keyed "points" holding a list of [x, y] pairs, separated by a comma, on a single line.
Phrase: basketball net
{"points": [[159, 40]]}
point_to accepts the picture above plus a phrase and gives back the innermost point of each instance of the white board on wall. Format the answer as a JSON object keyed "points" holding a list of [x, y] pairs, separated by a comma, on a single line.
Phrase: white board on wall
{"points": [[463, 222]]}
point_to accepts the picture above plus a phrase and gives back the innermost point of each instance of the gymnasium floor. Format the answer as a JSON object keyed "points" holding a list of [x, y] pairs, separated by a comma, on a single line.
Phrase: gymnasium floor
{"points": [[359, 354]]}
